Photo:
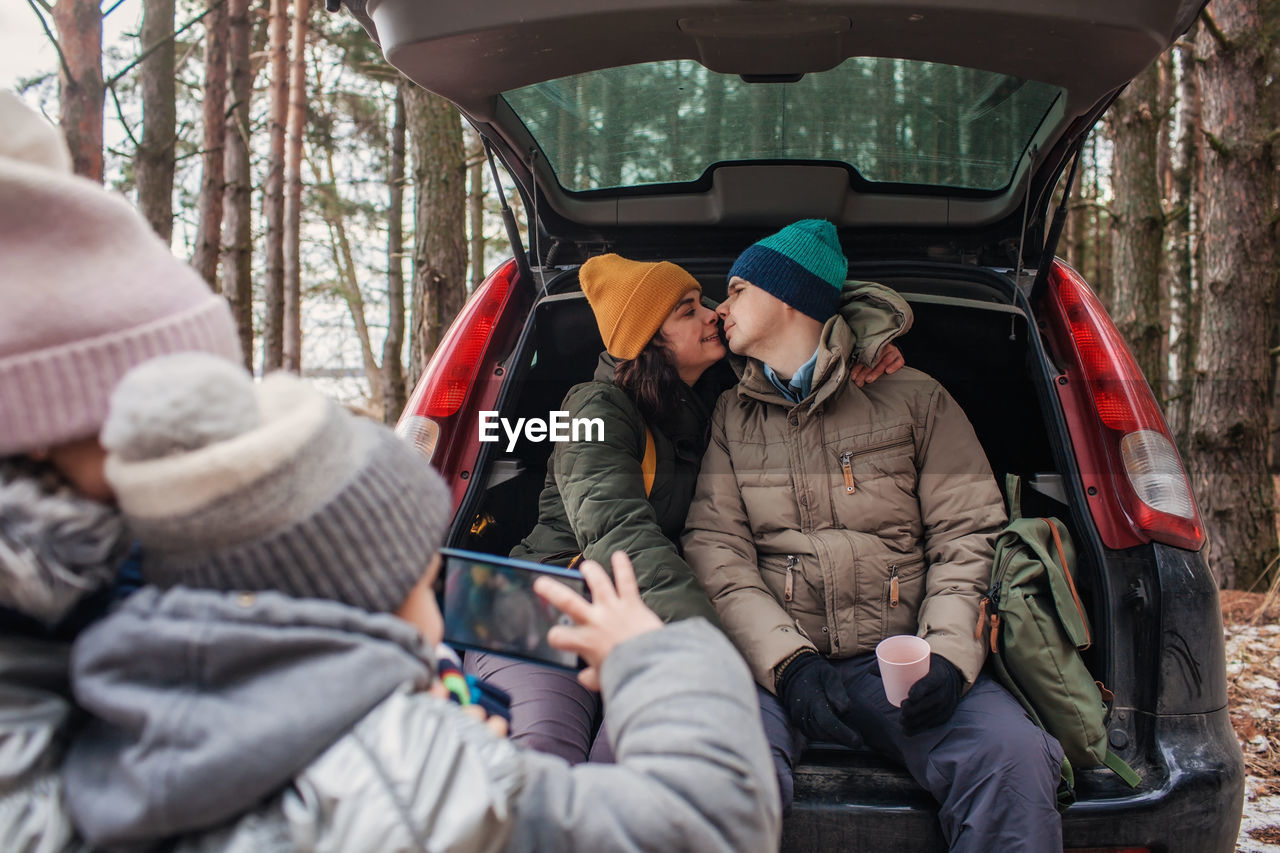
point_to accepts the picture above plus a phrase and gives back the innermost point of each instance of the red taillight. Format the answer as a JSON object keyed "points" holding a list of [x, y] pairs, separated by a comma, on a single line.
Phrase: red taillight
{"points": [[1138, 489], [433, 419], [449, 377]]}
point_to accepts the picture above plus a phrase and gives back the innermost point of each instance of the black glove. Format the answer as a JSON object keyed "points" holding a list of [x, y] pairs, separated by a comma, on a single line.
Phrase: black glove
{"points": [[933, 699], [814, 698]]}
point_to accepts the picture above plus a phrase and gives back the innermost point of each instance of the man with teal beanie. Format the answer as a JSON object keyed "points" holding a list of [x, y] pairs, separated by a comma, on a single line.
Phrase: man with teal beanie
{"points": [[829, 516], [794, 264]]}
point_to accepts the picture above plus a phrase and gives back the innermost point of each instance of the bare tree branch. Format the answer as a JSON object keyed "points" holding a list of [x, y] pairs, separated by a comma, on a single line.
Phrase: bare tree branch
{"points": [[62, 58], [120, 115], [114, 6], [1214, 30], [140, 58], [1175, 213], [1220, 146], [1088, 204]]}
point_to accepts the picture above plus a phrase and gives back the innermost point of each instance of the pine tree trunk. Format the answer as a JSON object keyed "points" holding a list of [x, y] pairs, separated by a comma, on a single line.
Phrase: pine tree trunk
{"points": [[1137, 223], [292, 344], [1075, 232], [273, 202], [80, 86], [1229, 427], [344, 265], [1101, 278], [154, 161], [1081, 217], [1181, 237], [394, 390], [439, 245], [1167, 99], [1095, 221], [475, 206], [237, 240], [212, 181]]}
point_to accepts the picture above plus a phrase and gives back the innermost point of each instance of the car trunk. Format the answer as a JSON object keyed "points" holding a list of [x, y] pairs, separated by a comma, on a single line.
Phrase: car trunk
{"points": [[972, 334]]}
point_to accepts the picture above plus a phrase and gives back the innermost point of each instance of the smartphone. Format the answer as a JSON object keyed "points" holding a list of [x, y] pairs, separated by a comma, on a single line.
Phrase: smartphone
{"points": [[489, 605]]}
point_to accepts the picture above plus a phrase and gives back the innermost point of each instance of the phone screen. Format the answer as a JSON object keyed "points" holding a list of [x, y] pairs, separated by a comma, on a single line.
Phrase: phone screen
{"points": [[489, 604]]}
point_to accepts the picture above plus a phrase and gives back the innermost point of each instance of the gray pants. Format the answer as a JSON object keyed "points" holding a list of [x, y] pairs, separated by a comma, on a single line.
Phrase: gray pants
{"points": [[550, 711], [992, 771]]}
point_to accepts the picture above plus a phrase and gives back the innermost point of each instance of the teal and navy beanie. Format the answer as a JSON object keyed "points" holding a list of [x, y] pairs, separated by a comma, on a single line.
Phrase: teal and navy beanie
{"points": [[802, 265]]}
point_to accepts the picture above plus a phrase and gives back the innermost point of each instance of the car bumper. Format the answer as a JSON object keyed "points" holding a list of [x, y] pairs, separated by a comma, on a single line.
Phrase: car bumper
{"points": [[1190, 800]]}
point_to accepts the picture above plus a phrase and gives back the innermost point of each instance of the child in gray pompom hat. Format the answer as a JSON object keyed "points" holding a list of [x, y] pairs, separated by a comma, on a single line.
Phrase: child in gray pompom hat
{"points": [[274, 687], [234, 485]]}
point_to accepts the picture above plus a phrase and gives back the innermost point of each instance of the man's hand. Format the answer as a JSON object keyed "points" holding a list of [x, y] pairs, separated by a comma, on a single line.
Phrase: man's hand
{"points": [[815, 698], [933, 699], [613, 616], [889, 362]]}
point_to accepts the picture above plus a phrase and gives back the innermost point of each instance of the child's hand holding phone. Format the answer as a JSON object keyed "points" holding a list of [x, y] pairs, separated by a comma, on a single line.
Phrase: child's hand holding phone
{"points": [[615, 614]]}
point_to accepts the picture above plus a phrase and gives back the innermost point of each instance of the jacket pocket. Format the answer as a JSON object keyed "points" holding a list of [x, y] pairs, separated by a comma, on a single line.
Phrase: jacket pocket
{"points": [[849, 461], [795, 591], [902, 595], [780, 575], [560, 558]]}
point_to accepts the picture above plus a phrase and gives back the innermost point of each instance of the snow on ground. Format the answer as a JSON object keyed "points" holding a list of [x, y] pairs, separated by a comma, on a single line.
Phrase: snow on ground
{"points": [[1253, 663]]}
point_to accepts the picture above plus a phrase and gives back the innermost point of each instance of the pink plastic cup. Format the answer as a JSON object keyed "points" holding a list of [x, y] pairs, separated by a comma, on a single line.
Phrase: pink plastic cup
{"points": [[904, 660]]}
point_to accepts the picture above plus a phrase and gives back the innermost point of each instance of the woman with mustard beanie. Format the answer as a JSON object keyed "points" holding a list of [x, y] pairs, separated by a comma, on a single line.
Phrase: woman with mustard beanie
{"points": [[654, 388]]}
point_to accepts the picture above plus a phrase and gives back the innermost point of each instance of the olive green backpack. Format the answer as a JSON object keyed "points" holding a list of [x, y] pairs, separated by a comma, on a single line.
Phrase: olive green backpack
{"points": [[1036, 628]]}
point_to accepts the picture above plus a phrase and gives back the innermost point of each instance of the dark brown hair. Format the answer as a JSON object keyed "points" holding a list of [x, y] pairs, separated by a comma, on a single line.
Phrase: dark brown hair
{"points": [[651, 380]]}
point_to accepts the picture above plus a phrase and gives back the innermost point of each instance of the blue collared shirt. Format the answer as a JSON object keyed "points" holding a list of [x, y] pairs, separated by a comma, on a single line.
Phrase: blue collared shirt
{"points": [[801, 384]]}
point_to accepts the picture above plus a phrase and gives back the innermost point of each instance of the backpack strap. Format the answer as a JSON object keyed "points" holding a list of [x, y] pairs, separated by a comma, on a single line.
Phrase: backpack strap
{"points": [[649, 464], [1084, 640], [1013, 495], [1123, 770]]}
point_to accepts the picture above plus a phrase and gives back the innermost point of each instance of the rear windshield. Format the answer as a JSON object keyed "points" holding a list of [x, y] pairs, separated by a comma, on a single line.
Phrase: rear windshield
{"points": [[893, 120]]}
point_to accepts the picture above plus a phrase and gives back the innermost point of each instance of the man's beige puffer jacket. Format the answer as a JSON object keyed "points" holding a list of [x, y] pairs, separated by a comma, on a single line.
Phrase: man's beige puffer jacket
{"points": [[856, 514]]}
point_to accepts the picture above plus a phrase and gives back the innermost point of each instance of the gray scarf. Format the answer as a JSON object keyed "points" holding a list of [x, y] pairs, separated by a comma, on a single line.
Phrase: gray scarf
{"points": [[56, 547]]}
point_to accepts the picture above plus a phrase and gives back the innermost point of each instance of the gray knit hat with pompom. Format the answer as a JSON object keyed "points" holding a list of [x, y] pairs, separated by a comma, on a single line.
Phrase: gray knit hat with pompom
{"points": [[232, 485]]}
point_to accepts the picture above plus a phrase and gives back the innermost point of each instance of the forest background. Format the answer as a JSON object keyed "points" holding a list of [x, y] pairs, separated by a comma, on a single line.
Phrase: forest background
{"points": [[347, 214]]}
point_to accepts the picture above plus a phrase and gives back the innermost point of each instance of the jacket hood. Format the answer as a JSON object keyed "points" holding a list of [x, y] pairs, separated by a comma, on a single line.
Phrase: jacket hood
{"points": [[206, 702], [604, 368]]}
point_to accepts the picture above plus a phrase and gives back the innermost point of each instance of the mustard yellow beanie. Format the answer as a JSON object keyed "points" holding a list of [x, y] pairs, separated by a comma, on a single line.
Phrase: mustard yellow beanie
{"points": [[631, 299]]}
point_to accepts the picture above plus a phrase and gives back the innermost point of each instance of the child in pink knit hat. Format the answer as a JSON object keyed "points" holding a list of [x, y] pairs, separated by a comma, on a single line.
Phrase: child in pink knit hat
{"points": [[88, 292]]}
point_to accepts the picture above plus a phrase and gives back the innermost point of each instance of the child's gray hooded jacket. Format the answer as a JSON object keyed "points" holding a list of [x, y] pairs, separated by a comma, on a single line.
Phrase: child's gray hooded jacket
{"points": [[265, 723]]}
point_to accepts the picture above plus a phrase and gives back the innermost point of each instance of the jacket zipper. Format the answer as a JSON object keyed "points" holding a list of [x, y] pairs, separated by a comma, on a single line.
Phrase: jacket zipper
{"points": [[789, 587], [894, 586], [846, 459], [848, 471]]}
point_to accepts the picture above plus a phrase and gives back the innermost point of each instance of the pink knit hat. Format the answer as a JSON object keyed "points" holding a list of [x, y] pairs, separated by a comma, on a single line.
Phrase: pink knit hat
{"points": [[87, 291]]}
